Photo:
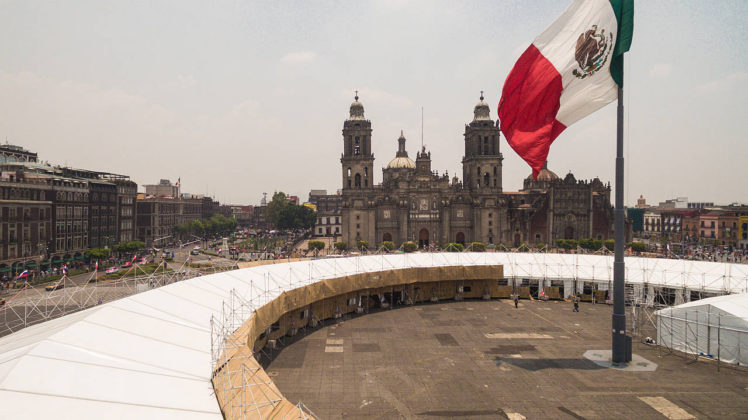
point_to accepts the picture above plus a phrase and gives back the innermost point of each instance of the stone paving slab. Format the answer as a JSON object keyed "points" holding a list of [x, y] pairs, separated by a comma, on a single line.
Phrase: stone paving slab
{"points": [[392, 364]]}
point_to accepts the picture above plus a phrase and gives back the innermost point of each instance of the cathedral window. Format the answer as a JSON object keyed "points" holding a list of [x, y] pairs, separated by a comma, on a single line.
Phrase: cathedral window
{"points": [[357, 150], [486, 179], [358, 140], [349, 171], [479, 172], [366, 172]]}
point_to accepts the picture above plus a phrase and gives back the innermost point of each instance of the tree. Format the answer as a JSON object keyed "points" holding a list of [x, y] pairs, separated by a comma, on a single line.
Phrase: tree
{"points": [[409, 246], [340, 246], [98, 253], [283, 214], [566, 243], [197, 227], [130, 246], [610, 244], [362, 245], [315, 245], [454, 247], [478, 247], [637, 246], [388, 245], [274, 207]]}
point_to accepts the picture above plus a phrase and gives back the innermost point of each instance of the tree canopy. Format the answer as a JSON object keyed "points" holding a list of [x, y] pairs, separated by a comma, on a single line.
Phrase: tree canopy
{"points": [[129, 246], [98, 253], [283, 214], [217, 224]]}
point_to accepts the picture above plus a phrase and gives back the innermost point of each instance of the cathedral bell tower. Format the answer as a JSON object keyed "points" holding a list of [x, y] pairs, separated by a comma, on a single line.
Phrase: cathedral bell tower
{"points": [[481, 166], [357, 160]]}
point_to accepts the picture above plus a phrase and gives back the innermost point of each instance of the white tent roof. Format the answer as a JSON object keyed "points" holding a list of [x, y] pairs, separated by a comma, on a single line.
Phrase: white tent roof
{"points": [[716, 327], [148, 355], [734, 305]]}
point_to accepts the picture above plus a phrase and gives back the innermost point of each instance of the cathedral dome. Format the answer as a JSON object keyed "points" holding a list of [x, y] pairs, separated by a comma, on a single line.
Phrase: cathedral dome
{"points": [[401, 162], [401, 159], [357, 109], [545, 174], [482, 111]]}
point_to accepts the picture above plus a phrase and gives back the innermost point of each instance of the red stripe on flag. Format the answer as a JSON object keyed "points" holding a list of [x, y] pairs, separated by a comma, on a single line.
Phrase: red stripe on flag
{"points": [[528, 107]]}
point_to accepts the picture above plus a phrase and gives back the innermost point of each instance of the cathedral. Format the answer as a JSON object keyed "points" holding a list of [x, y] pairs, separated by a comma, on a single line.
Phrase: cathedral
{"points": [[415, 203]]}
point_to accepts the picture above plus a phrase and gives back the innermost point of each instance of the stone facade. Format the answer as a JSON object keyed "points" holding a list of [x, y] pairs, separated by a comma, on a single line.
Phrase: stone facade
{"points": [[25, 226], [158, 216], [415, 203], [328, 213]]}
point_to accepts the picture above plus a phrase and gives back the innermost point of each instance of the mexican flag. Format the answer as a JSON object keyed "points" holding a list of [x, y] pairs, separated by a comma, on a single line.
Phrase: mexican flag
{"points": [[571, 70]]}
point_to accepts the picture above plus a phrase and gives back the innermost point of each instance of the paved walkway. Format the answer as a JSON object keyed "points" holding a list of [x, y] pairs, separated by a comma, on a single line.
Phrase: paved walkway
{"points": [[486, 359]]}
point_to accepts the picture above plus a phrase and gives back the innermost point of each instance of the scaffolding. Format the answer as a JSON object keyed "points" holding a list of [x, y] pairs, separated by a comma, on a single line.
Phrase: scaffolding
{"points": [[243, 388], [33, 304], [694, 335]]}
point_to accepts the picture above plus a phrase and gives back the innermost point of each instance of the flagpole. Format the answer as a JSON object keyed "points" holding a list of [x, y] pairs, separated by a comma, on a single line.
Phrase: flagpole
{"points": [[621, 345]]}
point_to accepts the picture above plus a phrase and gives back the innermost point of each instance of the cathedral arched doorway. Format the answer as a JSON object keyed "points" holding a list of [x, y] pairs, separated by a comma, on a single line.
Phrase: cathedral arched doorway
{"points": [[387, 237], [569, 232], [423, 238], [460, 239], [517, 239]]}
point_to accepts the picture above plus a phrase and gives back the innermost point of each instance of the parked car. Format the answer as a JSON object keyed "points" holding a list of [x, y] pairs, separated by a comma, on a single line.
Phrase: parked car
{"points": [[194, 252], [56, 286], [126, 265], [111, 270]]}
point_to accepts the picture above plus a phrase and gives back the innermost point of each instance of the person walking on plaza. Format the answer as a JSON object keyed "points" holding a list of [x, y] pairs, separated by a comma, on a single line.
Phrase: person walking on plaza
{"points": [[576, 303], [516, 300]]}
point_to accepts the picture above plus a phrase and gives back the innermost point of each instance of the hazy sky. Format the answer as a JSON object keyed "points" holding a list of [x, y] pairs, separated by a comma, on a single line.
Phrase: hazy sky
{"points": [[239, 98]]}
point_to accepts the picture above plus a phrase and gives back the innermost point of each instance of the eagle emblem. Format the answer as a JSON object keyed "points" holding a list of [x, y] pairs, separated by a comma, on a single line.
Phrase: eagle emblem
{"points": [[592, 51]]}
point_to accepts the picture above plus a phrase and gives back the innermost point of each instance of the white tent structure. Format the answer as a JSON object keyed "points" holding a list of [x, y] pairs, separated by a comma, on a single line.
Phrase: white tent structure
{"points": [[149, 355], [714, 327]]}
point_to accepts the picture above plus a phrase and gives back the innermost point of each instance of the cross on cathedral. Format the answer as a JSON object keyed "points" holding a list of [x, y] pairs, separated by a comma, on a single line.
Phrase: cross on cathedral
{"points": [[356, 94]]}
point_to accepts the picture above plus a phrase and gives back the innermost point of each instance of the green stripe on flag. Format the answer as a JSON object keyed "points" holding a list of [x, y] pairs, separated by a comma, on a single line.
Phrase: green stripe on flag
{"points": [[624, 10]]}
